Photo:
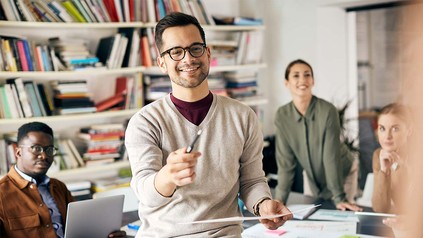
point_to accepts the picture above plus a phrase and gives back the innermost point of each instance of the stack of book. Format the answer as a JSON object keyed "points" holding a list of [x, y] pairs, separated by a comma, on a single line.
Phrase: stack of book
{"points": [[103, 143], [91, 11], [238, 20], [74, 53], [104, 184], [224, 52], [217, 84], [156, 87], [241, 84], [72, 97], [80, 190]]}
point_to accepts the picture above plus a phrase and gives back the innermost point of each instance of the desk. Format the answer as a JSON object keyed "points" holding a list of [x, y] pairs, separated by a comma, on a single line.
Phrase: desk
{"points": [[370, 227]]}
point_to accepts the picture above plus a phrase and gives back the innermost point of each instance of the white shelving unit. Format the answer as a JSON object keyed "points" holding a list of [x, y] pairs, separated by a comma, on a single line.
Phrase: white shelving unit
{"points": [[68, 125]]}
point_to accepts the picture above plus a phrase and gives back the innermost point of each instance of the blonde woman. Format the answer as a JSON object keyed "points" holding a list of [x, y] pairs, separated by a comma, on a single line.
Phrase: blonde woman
{"points": [[390, 161]]}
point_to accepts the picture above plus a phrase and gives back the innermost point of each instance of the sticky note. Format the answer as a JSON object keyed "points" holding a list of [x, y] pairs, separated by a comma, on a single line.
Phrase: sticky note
{"points": [[275, 232]]}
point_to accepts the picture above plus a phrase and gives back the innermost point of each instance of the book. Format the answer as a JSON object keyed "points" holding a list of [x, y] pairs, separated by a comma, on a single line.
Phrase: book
{"points": [[73, 11], [238, 20], [81, 9], [113, 101], [302, 214], [6, 97], [46, 99], [75, 110], [101, 8], [111, 9], [78, 185], [14, 102], [128, 33], [33, 101], [104, 184], [75, 152], [22, 95]]}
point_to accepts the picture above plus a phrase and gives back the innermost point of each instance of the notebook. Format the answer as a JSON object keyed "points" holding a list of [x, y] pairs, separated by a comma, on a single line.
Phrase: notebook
{"points": [[94, 218]]}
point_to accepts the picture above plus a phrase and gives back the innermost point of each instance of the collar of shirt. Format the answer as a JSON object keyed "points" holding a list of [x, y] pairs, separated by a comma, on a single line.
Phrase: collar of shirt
{"points": [[310, 111], [28, 178]]}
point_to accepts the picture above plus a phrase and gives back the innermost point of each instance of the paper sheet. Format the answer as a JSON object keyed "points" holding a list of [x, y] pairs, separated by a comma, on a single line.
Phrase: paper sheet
{"points": [[333, 215], [308, 229], [233, 219]]}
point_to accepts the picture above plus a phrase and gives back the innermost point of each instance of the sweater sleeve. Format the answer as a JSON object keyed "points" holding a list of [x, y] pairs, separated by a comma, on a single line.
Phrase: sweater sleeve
{"points": [[381, 199], [253, 183], [286, 162], [331, 157], [145, 156]]}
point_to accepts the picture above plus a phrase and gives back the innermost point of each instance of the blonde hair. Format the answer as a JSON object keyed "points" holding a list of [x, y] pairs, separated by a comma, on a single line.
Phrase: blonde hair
{"points": [[399, 110]]}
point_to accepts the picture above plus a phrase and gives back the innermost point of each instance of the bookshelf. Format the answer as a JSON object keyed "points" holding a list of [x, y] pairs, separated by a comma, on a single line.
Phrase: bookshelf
{"points": [[67, 125]]}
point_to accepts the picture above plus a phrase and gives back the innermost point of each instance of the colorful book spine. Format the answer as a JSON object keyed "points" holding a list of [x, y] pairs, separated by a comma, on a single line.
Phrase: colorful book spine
{"points": [[73, 11]]}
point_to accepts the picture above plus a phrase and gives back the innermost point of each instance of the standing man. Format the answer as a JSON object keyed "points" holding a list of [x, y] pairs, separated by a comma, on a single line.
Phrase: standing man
{"points": [[176, 187], [31, 203]]}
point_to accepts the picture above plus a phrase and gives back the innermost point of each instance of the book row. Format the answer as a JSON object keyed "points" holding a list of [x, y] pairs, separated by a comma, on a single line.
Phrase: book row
{"points": [[92, 11], [129, 47], [27, 98], [93, 146]]}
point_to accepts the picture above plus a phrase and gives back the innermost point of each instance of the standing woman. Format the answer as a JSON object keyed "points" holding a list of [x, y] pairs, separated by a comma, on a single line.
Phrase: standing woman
{"points": [[389, 162], [308, 133]]}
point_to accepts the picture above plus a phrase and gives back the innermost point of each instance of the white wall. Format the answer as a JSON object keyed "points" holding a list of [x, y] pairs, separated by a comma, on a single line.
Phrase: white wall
{"points": [[316, 31]]}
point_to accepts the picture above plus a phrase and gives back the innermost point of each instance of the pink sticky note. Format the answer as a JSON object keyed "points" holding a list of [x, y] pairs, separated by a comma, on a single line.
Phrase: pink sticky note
{"points": [[275, 232]]}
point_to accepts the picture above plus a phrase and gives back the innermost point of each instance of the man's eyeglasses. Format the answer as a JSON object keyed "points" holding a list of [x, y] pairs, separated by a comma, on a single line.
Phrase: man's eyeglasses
{"points": [[38, 149], [178, 53]]}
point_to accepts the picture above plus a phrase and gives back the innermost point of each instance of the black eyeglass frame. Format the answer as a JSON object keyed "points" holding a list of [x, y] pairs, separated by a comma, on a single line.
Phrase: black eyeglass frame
{"points": [[45, 149], [204, 46]]}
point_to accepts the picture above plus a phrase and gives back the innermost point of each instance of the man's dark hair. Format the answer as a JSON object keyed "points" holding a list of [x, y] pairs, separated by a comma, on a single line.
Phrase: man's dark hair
{"points": [[298, 61], [33, 127], [175, 19]]}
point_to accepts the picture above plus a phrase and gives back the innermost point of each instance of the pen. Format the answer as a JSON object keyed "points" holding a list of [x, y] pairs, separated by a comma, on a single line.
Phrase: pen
{"points": [[133, 227], [191, 146]]}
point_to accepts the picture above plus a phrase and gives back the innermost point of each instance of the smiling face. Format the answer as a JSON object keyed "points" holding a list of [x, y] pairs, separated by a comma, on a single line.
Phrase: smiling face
{"points": [[33, 165], [189, 72], [300, 80], [392, 132]]}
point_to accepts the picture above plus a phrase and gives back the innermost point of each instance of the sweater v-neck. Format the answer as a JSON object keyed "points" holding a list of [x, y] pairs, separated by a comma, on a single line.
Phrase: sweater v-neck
{"points": [[187, 123]]}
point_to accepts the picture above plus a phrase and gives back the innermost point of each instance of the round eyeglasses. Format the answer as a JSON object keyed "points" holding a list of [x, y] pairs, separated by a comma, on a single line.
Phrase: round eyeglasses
{"points": [[38, 149], [178, 53]]}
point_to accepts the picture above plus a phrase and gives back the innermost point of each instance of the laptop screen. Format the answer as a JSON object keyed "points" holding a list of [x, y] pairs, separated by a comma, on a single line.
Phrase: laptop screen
{"points": [[94, 217]]}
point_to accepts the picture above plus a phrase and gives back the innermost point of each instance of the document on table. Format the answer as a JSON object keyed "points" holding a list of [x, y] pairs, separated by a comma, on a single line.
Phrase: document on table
{"points": [[233, 219], [334, 215], [307, 229], [305, 212]]}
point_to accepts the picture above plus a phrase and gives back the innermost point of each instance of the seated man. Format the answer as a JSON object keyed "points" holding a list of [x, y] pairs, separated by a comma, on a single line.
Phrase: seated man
{"points": [[31, 203]]}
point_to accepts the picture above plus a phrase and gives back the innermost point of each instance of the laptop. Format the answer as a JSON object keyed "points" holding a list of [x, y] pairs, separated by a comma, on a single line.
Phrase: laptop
{"points": [[94, 217]]}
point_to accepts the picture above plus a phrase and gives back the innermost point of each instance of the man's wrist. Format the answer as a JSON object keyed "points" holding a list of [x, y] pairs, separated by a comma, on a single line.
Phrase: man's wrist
{"points": [[256, 207]]}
